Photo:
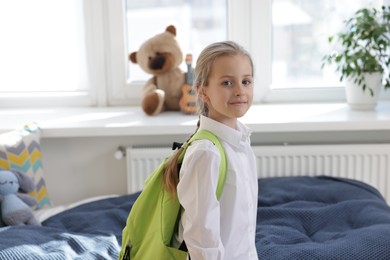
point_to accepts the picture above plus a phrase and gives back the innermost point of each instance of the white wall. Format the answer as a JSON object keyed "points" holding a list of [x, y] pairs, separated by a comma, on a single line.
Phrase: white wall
{"points": [[82, 167]]}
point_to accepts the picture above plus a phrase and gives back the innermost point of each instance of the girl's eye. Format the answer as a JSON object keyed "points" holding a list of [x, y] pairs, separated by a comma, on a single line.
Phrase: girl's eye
{"points": [[246, 82], [227, 83]]}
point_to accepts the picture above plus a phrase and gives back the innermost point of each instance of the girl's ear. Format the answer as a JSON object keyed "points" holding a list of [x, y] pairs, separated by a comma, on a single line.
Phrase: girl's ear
{"points": [[202, 94]]}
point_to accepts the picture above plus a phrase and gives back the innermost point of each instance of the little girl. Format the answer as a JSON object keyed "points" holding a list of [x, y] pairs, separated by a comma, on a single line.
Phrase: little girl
{"points": [[211, 228]]}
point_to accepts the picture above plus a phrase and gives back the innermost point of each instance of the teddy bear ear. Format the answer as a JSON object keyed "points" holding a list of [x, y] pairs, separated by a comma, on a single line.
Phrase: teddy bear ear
{"points": [[171, 29], [133, 57], [26, 184]]}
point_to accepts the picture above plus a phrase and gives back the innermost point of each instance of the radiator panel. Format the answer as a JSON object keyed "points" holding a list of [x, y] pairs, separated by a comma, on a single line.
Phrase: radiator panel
{"points": [[140, 163], [369, 163]]}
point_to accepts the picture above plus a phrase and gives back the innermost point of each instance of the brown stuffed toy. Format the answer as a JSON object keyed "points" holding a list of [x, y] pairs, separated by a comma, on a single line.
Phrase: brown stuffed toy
{"points": [[161, 57]]}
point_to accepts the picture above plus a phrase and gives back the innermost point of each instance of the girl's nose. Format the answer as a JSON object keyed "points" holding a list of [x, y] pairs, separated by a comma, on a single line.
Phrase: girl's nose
{"points": [[239, 90]]}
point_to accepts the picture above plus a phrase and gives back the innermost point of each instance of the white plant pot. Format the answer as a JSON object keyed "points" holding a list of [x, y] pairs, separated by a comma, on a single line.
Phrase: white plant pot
{"points": [[358, 99]]}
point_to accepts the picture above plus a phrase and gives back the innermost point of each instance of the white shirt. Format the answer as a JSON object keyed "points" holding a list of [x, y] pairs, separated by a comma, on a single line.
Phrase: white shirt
{"points": [[224, 229]]}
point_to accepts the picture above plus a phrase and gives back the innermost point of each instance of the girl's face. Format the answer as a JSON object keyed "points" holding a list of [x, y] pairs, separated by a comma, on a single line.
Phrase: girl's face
{"points": [[229, 92]]}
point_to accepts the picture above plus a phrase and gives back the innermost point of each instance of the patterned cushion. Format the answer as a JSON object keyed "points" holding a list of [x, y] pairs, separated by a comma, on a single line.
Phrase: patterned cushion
{"points": [[20, 150]]}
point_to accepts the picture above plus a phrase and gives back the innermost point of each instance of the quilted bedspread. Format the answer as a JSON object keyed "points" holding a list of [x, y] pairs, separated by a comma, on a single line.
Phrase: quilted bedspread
{"points": [[321, 218], [88, 232]]}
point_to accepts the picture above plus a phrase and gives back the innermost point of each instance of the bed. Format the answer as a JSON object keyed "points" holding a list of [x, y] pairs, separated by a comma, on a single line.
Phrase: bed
{"points": [[298, 218]]}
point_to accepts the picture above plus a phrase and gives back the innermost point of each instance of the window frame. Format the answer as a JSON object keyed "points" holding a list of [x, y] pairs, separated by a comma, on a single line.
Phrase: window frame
{"points": [[118, 85], [262, 55], [95, 57], [249, 23], [121, 91]]}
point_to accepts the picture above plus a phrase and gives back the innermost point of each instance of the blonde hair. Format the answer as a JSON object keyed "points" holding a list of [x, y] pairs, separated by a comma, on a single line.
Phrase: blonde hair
{"points": [[201, 75]]}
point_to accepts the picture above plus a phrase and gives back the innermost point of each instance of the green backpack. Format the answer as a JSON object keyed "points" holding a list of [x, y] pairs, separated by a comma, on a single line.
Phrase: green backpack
{"points": [[154, 217]]}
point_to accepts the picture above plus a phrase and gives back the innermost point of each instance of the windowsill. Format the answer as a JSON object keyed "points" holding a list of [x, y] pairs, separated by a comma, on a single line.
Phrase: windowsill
{"points": [[126, 121]]}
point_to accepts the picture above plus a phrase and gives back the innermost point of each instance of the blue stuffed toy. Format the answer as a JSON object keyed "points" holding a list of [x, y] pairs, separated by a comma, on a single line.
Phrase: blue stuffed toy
{"points": [[16, 206]]}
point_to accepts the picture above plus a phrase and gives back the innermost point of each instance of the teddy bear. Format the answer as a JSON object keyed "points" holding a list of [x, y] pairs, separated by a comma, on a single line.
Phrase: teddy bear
{"points": [[15, 205], [161, 57]]}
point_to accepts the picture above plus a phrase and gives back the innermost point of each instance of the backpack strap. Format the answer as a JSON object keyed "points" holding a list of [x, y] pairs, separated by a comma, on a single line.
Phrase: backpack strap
{"points": [[205, 134]]}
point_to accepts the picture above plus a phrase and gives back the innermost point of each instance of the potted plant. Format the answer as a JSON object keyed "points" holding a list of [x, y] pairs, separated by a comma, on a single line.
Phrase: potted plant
{"points": [[364, 56]]}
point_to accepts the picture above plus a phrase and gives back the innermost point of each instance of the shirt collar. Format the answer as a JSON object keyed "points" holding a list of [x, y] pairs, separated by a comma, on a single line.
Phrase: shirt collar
{"points": [[224, 132]]}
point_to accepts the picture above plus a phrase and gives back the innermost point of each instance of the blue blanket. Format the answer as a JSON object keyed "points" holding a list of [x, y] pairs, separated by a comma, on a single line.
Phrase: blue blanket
{"points": [[321, 218], [90, 231], [298, 218]]}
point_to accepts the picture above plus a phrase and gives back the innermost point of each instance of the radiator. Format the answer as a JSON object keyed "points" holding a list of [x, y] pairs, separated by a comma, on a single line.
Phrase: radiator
{"points": [[141, 162], [369, 163]]}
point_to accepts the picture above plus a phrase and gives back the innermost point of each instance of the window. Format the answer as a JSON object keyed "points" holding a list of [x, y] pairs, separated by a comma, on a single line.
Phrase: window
{"points": [[75, 53], [198, 23], [296, 38], [300, 39], [43, 53]]}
